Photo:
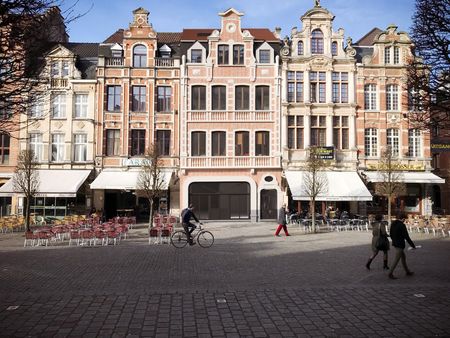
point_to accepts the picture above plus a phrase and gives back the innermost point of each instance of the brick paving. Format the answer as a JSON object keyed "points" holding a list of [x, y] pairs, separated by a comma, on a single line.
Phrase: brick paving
{"points": [[249, 284]]}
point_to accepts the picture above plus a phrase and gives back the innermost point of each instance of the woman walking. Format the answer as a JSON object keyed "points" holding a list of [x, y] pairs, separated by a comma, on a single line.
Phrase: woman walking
{"points": [[282, 221], [379, 229]]}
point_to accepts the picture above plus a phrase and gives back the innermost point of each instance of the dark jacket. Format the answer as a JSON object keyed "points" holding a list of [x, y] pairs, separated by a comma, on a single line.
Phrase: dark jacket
{"points": [[399, 234], [282, 216], [187, 214]]}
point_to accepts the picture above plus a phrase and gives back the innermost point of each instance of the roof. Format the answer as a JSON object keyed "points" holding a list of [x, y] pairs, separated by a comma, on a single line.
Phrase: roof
{"points": [[116, 37], [169, 37], [201, 34], [368, 39], [82, 49]]}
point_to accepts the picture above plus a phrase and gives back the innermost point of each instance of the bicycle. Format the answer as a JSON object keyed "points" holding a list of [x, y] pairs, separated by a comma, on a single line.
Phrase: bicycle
{"points": [[203, 237]]}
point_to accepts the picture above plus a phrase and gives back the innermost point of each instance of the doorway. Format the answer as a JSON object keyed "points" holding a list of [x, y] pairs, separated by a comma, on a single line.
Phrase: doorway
{"points": [[268, 204]]}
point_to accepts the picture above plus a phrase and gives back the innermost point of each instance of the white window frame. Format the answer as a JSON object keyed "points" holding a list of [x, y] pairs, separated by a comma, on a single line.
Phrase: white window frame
{"points": [[36, 145], [57, 148], [59, 106], [265, 46], [393, 141], [414, 143], [392, 97], [81, 105], [37, 108], [370, 142], [80, 147], [370, 96]]}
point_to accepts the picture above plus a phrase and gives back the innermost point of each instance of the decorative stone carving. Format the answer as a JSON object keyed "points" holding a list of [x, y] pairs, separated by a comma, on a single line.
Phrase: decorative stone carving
{"points": [[285, 51], [59, 125], [80, 125], [246, 34], [195, 71], [215, 34]]}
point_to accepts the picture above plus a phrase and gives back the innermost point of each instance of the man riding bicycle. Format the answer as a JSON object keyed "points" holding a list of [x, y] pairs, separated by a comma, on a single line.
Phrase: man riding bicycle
{"points": [[186, 216]]}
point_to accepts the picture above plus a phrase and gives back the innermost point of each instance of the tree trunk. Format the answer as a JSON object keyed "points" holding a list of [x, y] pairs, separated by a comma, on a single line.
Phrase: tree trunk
{"points": [[150, 220], [313, 215], [27, 215], [389, 209]]}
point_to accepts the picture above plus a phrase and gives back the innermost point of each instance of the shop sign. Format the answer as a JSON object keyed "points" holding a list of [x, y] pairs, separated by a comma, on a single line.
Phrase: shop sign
{"points": [[440, 147], [325, 153], [135, 162], [397, 167]]}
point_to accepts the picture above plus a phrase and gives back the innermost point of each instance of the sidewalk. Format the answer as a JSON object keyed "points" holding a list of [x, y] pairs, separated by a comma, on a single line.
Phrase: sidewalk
{"points": [[249, 283]]}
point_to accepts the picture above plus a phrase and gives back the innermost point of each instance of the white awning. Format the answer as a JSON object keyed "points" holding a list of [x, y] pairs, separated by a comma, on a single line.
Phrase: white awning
{"points": [[53, 183], [342, 186], [407, 177], [124, 180]]}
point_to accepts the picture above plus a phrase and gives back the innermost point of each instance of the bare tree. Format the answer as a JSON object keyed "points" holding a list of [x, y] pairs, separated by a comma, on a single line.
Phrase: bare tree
{"points": [[391, 183], [151, 183], [27, 28], [26, 180], [315, 181], [428, 80]]}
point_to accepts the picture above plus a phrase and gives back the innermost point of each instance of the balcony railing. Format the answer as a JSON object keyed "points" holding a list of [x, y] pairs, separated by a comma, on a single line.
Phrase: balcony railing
{"points": [[114, 61], [164, 62], [201, 162], [230, 116], [59, 83]]}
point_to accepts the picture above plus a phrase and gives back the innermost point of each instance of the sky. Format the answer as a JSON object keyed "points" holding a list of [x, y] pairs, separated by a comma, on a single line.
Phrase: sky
{"points": [[103, 17]]}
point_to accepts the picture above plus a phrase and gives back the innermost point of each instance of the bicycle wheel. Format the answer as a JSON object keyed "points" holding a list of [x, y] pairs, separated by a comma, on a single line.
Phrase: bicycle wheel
{"points": [[205, 239], [179, 239]]}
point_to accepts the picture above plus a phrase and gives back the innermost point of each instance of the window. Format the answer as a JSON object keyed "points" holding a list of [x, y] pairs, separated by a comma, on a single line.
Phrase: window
{"points": [[340, 87], [198, 98], [57, 148], [241, 143], [334, 48], [241, 97], [198, 143], [238, 55], [370, 97], [396, 55], [4, 148], [164, 99], [36, 146], [81, 105], [295, 132], [295, 86], [5, 111], [300, 50], [218, 143], [370, 142], [139, 56], [138, 98], [59, 106], [436, 161], [219, 98], [163, 142], [393, 141], [37, 108], [65, 69], [113, 101], [80, 148], [414, 143], [222, 55], [414, 101], [317, 42], [137, 142], [340, 132], [196, 55], [318, 86], [262, 98], [264, 56], [112, 142], [54, 69], [391, 97], [262, 143], [387, 55], [318, 131]]}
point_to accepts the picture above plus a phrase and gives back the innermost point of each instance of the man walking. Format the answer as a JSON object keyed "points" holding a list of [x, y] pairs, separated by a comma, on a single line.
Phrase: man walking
{"points": [[399, 234], [282, 222]]}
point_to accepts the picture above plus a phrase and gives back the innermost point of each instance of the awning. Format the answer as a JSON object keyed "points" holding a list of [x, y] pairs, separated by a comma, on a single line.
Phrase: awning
{"points": [[342, 186], [124, 180], [53, 183], [407, 177]]}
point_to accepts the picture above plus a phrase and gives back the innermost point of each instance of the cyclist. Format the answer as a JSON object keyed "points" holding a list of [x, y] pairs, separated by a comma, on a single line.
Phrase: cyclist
{"points": [[186, 216]]}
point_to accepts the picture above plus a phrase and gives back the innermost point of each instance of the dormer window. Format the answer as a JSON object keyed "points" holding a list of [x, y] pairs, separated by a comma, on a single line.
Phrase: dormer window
{"points": [[264, 56], [317, 42], [59, 68], [300, 48], [54, 68], [165, 51], [238, 54], [196, 55], [116, 53], [65, 68], [139, 56], [334, 48]]}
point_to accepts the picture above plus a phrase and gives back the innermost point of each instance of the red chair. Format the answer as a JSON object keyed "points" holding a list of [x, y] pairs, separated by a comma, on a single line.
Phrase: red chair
{"points": [[113, 236], [30, 238], [154, 235]]}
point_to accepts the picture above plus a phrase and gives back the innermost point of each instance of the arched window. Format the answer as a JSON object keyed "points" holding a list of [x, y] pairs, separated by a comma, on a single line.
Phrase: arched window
{"points": [[317, 42], [139, 56], [300, 48], [334, 48]]}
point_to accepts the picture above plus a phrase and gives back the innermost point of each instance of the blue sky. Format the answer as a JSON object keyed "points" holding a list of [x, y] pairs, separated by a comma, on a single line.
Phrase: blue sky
{"points": [[357, 17]]}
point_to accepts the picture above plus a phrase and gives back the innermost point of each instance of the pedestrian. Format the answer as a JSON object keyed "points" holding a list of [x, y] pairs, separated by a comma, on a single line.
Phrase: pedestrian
{"points": [[379, 229], [282, 223], [399, 234]]}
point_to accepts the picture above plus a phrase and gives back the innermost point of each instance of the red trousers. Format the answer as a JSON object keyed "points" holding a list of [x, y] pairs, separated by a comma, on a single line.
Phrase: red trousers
{"points": [[284, 227]]}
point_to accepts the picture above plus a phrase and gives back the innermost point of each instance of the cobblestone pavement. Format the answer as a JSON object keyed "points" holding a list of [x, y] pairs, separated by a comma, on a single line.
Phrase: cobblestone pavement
{"points": [[248, 284]]}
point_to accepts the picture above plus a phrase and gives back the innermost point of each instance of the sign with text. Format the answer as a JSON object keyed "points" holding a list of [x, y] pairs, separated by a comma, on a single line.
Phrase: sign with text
{"points": [[397, 167], [325, 153], [440, 147], [135, 162]]}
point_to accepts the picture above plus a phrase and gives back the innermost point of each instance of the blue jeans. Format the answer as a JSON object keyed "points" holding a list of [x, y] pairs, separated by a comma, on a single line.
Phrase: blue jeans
{"points": [[189, 228]]}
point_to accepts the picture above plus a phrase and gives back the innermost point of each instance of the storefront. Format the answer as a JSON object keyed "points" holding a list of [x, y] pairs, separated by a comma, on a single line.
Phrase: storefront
{"points": [[60, 193], [343, 187]]}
